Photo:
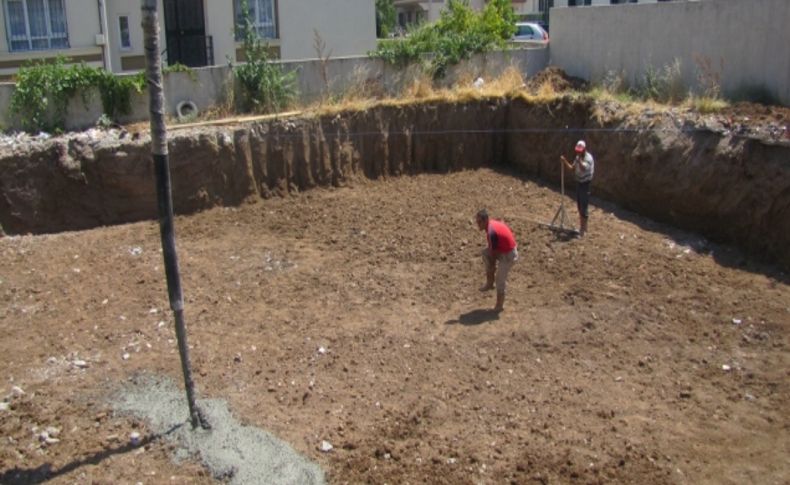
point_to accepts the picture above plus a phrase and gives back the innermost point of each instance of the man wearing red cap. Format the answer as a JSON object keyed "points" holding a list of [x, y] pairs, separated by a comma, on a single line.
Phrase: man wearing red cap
{"points": [[583, 167], [501, 251]]}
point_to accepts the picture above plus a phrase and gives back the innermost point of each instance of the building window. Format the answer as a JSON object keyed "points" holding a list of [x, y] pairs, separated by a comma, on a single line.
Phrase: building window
{"points": [[36, 25], [262, 16], [123, 30]]}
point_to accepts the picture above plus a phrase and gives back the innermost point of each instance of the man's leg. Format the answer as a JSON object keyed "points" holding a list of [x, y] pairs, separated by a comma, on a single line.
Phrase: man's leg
{"points": [[490, 264], [583, 202], [505, 263]]}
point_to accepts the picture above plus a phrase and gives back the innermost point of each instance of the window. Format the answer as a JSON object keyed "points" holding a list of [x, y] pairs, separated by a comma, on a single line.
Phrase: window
{"points": [[36, 25], [262, 16], [123, 30], [525, 30]]}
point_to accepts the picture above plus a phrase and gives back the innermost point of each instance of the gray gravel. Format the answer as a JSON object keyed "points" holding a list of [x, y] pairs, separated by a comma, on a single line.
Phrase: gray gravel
{"points": [[233, 452]]}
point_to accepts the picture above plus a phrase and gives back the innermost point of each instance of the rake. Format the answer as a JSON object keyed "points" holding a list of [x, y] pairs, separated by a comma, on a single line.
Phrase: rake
{"points": [[560, 223]]}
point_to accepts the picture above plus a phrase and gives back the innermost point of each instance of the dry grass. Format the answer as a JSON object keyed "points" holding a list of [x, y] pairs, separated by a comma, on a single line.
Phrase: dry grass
{"points": [[366, 91], [705, 104]]}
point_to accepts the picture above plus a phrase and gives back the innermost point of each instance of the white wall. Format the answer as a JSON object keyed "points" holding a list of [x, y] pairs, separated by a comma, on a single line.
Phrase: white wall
{"points": [[348, 27], [564, 3], [209, 86], [747, 42]]}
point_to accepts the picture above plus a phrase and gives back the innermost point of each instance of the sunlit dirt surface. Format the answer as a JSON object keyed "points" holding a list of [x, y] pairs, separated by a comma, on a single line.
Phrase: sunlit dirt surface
{"points": [[640, 354]]}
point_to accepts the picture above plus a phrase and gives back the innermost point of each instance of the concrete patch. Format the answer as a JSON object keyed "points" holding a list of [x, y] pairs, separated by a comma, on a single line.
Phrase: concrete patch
{"points": [[234, 452]]}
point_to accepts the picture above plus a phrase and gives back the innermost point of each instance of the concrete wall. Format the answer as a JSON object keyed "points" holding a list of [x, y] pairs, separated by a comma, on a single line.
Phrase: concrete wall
{"points": [[746, 42], [210, 86], [348, 27]]}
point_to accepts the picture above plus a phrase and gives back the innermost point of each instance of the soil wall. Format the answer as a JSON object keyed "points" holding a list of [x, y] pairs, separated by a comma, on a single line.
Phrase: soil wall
{"points": [[730, 188]]}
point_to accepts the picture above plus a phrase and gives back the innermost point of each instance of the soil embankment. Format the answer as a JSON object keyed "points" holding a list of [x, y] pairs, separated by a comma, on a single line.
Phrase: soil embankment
{"points": [[727, 186]]}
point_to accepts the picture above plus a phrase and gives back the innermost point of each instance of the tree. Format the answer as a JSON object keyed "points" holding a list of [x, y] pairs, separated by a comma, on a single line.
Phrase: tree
{"points": [[385, 17], [156, 103]]}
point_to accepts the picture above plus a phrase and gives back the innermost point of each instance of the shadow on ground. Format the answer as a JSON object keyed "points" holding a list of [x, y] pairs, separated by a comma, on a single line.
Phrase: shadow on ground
{"points": [[45, 472], [475, 317]]}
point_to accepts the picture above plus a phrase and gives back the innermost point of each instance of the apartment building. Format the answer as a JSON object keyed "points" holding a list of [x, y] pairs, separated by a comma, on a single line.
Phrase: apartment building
{"points": [[582, 3], [416, 11], [193, 32]]}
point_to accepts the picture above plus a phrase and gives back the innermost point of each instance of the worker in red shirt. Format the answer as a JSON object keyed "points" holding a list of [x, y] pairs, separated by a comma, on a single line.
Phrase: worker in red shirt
{"points": [[501, 250]]}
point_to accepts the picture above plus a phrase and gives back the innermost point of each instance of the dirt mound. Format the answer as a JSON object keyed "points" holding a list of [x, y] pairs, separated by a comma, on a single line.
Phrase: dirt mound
{"points": [[558, 79]]}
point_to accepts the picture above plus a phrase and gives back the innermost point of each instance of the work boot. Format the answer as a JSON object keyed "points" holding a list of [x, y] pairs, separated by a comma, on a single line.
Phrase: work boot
{"points": [[500, 302], [582, 226]]}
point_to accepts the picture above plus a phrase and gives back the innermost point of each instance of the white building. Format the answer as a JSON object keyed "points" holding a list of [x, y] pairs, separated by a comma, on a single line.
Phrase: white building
{"points": [[193, 32], [582, 3]]}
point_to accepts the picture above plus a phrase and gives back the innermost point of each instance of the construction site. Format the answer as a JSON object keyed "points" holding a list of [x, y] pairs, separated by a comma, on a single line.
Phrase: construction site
{"points": [[332, 327], [331, 268]]}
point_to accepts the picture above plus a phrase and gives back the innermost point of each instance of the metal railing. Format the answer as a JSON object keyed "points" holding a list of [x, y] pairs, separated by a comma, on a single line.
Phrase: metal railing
{"points": [[190, 50]]}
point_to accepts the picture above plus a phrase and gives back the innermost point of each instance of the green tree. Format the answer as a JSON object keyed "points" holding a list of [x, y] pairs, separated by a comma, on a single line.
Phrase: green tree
{"points": [[500, 19], [385, 17], [459, 33]]}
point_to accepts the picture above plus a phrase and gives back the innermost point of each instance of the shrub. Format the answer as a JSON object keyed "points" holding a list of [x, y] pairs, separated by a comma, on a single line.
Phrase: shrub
{"points": [[266, 86], [663, 85], [385, 17], [459, 33], [43, 91]]}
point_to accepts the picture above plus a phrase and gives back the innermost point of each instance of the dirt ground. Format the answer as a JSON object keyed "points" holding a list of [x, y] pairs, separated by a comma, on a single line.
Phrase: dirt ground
{"points": [[640, 354]]}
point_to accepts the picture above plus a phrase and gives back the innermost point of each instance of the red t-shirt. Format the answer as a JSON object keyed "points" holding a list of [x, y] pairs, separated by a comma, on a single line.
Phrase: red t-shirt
{"points": [[500, 237]]}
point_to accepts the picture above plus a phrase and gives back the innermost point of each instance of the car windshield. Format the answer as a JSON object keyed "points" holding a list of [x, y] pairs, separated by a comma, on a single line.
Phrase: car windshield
{"points": [[524, 30]]}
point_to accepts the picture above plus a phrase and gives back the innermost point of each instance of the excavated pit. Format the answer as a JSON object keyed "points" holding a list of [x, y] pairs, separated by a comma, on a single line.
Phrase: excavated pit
{"points": [[731, 188], [347, 322]]}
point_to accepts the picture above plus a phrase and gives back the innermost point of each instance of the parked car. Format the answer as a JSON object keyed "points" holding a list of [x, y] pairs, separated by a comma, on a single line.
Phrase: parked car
{"points": [[530, 31]]}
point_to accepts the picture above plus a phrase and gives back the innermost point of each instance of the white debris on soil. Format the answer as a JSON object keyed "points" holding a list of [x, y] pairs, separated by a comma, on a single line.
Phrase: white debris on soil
{"points": [[234, 453], [4, 406], [325, 446], [20, 140]]}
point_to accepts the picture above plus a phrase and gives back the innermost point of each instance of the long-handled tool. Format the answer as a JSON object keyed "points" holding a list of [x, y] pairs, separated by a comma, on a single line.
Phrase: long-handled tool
{"points": [[560, 223]]}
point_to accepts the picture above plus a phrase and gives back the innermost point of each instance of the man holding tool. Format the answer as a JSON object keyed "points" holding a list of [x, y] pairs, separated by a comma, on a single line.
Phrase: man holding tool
{"points": [[583, 167], [501, 250]]}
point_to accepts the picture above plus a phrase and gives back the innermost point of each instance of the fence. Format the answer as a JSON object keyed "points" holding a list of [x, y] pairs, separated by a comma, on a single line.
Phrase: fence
{"points": [[211, 86], [742, 43]]}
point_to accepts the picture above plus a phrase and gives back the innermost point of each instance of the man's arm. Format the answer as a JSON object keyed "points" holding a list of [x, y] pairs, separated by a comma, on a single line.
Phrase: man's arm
{"points": [[566, 162], [494, 242], [585, 163]]}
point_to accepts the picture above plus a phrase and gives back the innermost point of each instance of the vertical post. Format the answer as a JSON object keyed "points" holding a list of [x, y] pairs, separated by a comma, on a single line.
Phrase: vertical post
{"points": [[156, 102]]}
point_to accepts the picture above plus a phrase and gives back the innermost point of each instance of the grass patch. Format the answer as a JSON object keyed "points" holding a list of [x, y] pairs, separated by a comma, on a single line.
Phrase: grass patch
{"points": [[706, 105]]}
